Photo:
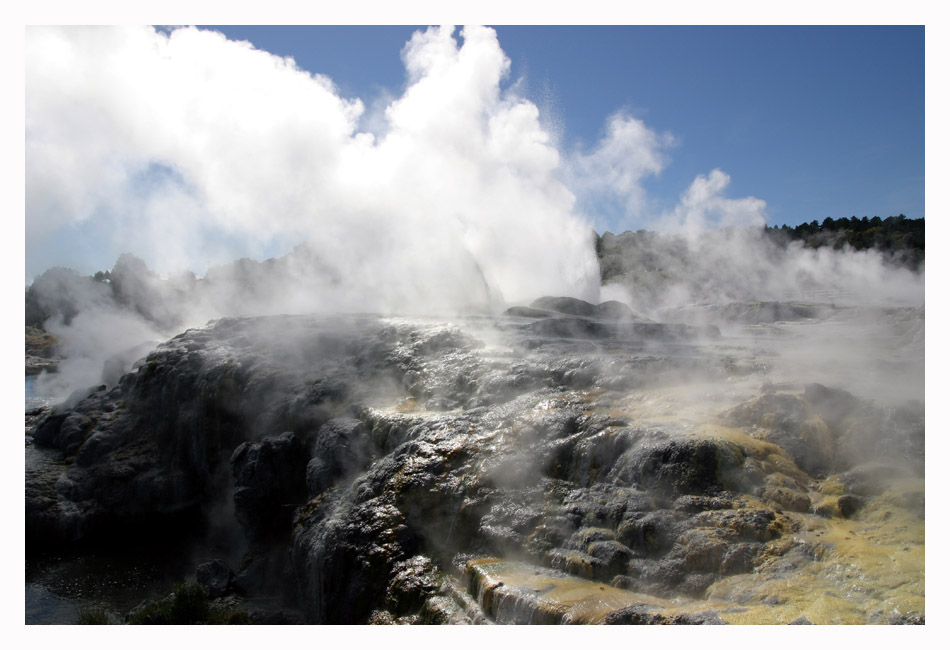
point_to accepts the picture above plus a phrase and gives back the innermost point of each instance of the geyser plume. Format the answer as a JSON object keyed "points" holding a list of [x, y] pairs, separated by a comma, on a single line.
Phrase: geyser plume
{"points": [[169, 145], [467, 441], [190, 150]]}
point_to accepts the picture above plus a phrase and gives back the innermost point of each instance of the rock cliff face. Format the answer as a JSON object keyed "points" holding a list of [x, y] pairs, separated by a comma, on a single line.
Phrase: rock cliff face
{"points": [[513, 469]]}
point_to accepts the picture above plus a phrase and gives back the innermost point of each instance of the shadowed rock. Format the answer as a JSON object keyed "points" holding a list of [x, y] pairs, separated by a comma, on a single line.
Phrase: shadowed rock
{"points": [[376, 465], [268, 483], [215, 576]]}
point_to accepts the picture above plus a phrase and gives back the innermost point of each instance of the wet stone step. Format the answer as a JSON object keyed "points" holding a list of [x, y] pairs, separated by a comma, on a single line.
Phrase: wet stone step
{"points": [[518, 593]]}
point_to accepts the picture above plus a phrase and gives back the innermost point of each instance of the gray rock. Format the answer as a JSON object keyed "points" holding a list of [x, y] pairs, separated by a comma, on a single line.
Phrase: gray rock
{"points": [[269, 482], [215, 576], [355, 495]]}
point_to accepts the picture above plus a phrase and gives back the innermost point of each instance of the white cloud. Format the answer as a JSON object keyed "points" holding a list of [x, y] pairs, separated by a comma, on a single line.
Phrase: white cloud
{"points": [[703, 207], [628, 153]]}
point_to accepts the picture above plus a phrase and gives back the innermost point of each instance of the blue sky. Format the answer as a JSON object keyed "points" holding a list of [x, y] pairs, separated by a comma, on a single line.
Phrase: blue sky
{"points": [[190, 150], [815, 121]]}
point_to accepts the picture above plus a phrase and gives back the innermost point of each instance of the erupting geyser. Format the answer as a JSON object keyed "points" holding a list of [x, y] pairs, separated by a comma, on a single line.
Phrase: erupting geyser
{"points": [[432, 411]]}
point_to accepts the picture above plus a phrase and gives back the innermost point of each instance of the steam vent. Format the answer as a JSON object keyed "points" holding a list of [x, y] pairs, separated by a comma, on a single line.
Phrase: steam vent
{"points": [[561, 462]]}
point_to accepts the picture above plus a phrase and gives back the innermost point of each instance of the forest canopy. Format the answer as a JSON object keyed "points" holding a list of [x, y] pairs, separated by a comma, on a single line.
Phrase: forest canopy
{"points": [[900, 237]]}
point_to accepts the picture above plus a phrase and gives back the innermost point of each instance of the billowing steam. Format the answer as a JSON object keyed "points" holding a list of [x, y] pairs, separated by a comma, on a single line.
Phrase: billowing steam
{"points": [[655, 272], [188, 147], [190, 151]]}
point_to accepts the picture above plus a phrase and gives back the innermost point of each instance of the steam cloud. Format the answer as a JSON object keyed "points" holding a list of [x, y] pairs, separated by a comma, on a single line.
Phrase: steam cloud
{"points": [[190, 146], [191, 150]]}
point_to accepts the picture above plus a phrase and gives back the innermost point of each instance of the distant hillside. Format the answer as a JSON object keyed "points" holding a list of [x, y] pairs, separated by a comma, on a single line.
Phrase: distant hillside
{"points": [[902, 239], [813, 261]]}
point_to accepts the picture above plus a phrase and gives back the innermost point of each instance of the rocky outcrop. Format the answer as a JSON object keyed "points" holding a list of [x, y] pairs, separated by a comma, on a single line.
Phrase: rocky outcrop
{"points": [[408, 470], [610, 310], [829, 430], [215, 576], [269, 482], [40, 351]]}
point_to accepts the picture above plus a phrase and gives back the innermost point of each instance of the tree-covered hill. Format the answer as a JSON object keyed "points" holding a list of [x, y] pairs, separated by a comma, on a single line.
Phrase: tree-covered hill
{"points": [[902, 239], [847, 258]]}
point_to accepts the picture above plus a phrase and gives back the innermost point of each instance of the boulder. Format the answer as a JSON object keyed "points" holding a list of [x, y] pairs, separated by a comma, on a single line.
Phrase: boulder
{"points": [[790, 422], [215, 576], [566, 305]]}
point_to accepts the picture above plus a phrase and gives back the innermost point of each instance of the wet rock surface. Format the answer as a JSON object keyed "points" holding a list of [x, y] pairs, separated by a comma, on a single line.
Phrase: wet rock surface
{"points": [[215, 576], [408, 470]]}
